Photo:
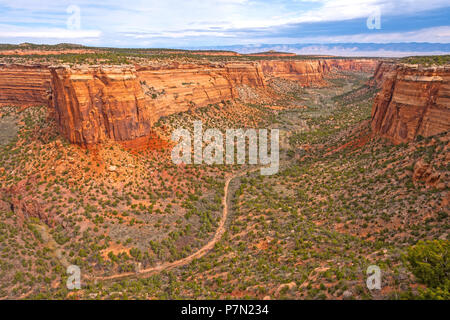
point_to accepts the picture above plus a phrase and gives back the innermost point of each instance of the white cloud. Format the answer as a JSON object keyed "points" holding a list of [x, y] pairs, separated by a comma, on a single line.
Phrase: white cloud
{"points": [[144, 20], [51, 34], [156, 15], [436, 35]]}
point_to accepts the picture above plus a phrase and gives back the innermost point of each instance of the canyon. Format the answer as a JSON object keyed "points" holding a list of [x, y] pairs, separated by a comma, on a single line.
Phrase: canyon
{"points": [[413, 101], [354, 65], [92, 104], [306, 72], [122, 209]]}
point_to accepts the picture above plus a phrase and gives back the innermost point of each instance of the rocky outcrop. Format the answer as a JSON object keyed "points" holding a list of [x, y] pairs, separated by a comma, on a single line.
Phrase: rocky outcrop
{"points": [[355, 65], [179, 87], [312, 72], [424, 172], [17, 200], [94, 104], [307, 72], [382, 69], [23, 85], [413, 101]]}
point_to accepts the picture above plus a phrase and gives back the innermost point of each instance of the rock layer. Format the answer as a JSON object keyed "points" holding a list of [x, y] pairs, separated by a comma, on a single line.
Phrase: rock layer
{"points": [[356, 65], [413, 101], [307, 72], [312, 72], [382, 69], [92, 104], [23, 85], [178, 87]]}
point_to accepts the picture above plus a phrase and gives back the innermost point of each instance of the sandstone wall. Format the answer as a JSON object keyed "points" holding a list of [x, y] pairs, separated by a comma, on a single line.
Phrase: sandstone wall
{"points": [[413, 101], [98, 103], [178, 87], [356, 65], [22, 85], [93, 104], [382, 69], [307, 72]]}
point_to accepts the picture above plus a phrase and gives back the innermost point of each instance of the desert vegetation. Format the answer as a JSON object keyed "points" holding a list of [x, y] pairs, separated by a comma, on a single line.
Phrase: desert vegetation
{"points": [[343, 199], [428, 60]]}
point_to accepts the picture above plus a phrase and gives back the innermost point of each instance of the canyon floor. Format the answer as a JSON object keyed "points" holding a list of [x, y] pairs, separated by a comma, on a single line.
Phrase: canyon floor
{"points": [[140, 227]]}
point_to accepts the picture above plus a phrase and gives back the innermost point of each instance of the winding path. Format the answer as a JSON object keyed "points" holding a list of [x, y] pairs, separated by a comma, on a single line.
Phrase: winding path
{"points": [[196, 255]]}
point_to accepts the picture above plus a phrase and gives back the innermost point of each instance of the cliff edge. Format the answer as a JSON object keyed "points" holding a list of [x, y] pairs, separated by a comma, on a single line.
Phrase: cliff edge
{"points": [[413, 101]]}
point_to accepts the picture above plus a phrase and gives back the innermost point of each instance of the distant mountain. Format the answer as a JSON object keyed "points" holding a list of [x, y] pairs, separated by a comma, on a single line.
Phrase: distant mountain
{"points": [[345, 49], [28, 45]]}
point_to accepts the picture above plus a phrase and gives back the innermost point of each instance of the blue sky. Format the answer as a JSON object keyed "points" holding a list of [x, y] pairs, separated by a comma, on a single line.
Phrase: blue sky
{"points": [[204, 23]]}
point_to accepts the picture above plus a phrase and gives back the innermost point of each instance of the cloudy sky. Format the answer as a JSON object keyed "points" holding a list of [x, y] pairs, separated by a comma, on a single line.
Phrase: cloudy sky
{"points": [[195, 23]]}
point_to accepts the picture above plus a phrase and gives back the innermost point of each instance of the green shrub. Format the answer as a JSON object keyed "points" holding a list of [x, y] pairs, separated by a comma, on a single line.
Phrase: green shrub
{"points": [[429, 262]]}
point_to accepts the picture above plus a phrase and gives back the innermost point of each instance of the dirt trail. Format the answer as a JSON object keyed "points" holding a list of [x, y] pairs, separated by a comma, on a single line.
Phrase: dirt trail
{"points": [[196, 255]]}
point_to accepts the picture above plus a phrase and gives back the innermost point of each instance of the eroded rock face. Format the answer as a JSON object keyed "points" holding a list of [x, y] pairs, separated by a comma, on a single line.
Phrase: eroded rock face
{"points": [[179, 87], [413, 101], [94, 104], [25, 206], [382, 69], [356, 65], [307, 72], [312, 72], [23, 85]]}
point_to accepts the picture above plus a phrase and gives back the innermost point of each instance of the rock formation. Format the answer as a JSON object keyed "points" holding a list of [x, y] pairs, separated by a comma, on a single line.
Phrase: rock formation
{"points": [[25, 206], [356, 65], [382, 69], [23, 85], [309, 72], [413, 101], [306, 72], [92, 104], [178, 87]]}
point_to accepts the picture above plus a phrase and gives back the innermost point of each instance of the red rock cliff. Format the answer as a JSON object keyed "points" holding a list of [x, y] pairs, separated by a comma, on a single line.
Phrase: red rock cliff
{"points": [[306, 72], [357, 65], [178, 87], [382, 69], [309, 72], [413, 101], [23, 85], [98, 103], [93, 104]]}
